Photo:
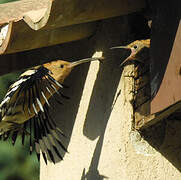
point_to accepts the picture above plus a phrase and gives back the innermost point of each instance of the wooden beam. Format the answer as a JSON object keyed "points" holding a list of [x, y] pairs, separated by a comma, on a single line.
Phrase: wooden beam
{"points": [[154, 118], [165, 50], [170, 87], [53, 20]]}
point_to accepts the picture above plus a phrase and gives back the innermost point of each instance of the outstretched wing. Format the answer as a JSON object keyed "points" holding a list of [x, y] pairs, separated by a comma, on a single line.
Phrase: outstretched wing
{"points": [[28, 98]]}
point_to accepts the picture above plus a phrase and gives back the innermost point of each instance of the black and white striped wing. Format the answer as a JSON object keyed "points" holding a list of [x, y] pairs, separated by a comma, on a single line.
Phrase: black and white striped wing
{"points": [[41, 129]]}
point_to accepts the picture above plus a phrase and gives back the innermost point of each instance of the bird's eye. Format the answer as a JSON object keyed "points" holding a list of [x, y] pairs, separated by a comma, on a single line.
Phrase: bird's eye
{"points": [[135, 46], [61, 66]]}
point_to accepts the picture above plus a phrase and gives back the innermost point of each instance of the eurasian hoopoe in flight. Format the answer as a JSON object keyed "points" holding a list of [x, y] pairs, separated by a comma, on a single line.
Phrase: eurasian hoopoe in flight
{"points": [[139, 50], [27, 102]]}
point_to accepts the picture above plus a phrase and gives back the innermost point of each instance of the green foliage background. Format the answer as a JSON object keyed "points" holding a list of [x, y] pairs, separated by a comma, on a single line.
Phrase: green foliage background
{"points": [[6, 1], [15, 161]]}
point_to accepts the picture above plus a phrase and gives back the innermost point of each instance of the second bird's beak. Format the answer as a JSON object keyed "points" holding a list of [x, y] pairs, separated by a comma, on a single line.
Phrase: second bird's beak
{"points": [[120, 47], [129, 57], [76, 63]]}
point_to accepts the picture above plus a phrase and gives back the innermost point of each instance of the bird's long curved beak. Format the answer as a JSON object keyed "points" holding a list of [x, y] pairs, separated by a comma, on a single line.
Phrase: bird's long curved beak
{"points": [[76, 63], [120, 47]]}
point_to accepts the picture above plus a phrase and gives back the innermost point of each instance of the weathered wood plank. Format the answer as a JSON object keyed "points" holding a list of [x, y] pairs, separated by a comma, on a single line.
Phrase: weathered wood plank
{"points": [[54, 15], [154, 118]]}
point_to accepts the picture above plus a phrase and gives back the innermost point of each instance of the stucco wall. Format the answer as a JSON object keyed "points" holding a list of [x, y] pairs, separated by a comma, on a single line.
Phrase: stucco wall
{"points": [[98, 121]]}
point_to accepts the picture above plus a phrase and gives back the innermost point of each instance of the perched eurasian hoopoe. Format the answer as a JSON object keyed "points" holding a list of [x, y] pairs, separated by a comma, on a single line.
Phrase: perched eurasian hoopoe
{"points": [[27, 101], [139, 50]]}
